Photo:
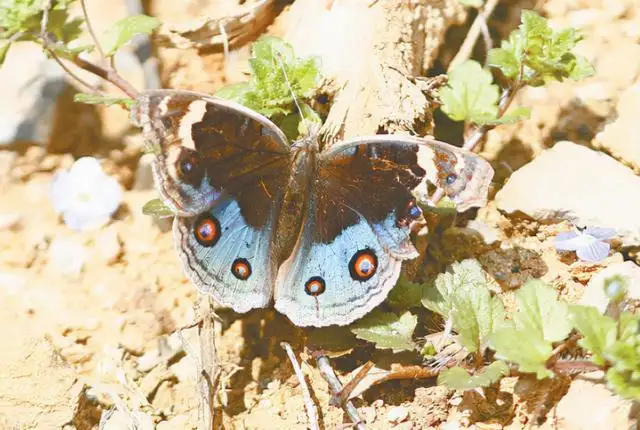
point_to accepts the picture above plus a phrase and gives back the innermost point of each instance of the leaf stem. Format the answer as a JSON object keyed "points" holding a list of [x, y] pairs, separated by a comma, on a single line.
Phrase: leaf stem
{"points": [[83, 3]]}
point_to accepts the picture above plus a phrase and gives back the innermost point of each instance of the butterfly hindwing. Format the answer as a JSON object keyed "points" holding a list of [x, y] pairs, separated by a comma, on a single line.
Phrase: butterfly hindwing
{"points": [[225, 257]]}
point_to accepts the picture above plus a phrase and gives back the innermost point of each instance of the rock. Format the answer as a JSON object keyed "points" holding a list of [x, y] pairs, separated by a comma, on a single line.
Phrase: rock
{"points": [[118, 420], [621, 138], [30, 85], [108, 246], [594, 294], [67, 256], [10, 221], [604, 409], [574, 183], [7, 160], [397, 414], [37, 389]]}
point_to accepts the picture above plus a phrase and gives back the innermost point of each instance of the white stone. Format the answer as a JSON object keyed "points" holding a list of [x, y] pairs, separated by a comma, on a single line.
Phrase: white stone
{"points": [[590, 405], [30, 84], [574, 183], [621, 138], [397, 414], [594, 294]]}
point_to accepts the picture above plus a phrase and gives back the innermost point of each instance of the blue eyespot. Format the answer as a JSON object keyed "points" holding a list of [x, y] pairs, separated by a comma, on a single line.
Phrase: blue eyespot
{"points": [[415, 211], [451, 178]]}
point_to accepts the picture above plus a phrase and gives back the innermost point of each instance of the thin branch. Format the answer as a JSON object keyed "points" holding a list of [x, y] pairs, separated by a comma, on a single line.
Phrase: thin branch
{"points": [[108, 74], [57, 59], [343, 395], [308, 403], [557, 351], [472, 36], [578, 366], [90, 28], [336, 387]]}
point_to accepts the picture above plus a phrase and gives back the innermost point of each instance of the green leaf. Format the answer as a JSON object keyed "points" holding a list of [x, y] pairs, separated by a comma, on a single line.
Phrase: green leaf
{"points": [[438, 297], [540, 311], [535, 54], [511, 117], [295, 125], [458, 378], [234, 92], [157, 208], [463, 296], [387, 330], [598, 331], [476, 315], [4, 48], [470, 94], [96, 99], [125, 29], [404, 295], [624, 357], [526, 347]]}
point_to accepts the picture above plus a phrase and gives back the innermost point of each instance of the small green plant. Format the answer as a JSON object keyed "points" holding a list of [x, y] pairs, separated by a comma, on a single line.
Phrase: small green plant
{"points": [[534, 54], [279, 84]]}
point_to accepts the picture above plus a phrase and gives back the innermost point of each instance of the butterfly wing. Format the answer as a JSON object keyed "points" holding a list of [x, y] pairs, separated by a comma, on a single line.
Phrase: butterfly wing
{"points": [[225, 257], [359, 218], [223, 169], [205, 145]]}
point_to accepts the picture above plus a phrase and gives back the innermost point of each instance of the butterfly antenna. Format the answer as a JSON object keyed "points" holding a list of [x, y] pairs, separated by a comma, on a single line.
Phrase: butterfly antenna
{"points": [[286, 78]]}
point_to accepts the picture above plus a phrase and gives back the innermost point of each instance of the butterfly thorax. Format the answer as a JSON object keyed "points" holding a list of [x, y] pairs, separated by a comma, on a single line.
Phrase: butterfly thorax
{"points": [[295, 198]]}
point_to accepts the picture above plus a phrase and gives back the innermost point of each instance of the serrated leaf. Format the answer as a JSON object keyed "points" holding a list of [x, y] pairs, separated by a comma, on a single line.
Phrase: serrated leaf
{"points": [[234, 92], [525, 347], [458, 378], [536, 54], [598, 331], [387, 330], [157, 208], [438, 297], [125, 29], [404, 295], [96, 99], [463, 295], [476, 315], [470, 94], [540, 311]]}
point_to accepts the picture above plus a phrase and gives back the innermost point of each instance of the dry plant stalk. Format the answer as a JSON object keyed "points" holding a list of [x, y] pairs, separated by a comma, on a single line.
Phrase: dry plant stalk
{"points": [[210, 416]]}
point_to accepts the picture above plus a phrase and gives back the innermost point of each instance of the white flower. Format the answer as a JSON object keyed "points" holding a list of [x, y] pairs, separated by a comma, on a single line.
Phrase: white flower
{"points": [[589, 243], [85, 195]]}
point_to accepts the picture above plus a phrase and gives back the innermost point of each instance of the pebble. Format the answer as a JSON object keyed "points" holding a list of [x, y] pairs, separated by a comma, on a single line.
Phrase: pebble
{"points": [[397, 414], [67, 256], [109, 246], [10, 221]]}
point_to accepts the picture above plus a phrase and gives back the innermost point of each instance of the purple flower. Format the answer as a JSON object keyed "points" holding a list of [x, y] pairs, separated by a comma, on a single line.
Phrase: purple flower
{"points": [[589, 244], [85, 195]]}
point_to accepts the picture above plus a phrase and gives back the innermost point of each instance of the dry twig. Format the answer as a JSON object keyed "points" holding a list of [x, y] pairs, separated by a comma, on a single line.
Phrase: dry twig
{"points": [[336, 387], [474, 32], [308, 403], [209, 373]]}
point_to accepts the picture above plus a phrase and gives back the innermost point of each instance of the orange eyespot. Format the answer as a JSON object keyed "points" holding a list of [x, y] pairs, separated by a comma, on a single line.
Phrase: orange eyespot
{"points": [[207, 231], [363, 265], [241, 269], [315, 286]]}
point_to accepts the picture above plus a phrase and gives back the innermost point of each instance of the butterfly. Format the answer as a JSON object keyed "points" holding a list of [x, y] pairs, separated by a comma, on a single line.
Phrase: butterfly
{"points": [[321, 233]]}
